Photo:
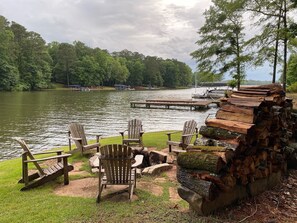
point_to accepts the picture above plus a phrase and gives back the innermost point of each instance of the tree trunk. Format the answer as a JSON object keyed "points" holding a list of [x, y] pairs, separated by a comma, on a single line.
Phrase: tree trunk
{"points": [[276, 48], [238, 62], [285, 46]]}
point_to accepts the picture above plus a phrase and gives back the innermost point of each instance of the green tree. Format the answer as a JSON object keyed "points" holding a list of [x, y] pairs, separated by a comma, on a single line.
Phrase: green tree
{"points": [[119, 70], [184, 73], [8, 71], [222, 47], [152, 73], [292, 70], [32, 58], [169, 71], [66, 60], [82, 50], [87, 72], [136, 72], [207, 77], [278, 11]]}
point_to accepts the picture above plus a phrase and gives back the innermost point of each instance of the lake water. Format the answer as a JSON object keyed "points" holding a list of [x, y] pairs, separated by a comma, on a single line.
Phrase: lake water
{"points": [[42, 118]]}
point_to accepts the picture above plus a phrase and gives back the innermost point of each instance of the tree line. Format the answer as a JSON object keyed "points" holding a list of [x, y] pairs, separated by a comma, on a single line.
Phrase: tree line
{"points": [[224, 46], [27, 62]]}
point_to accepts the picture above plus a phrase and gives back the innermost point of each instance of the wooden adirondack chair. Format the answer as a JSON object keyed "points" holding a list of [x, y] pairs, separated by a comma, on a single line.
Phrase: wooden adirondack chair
{"points": [[76, 133], [190, 129], [135, 133], [119, 169], [43, 175]]}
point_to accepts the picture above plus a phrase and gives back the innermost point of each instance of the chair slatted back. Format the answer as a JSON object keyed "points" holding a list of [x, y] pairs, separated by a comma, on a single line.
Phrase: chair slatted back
{"points": [[77, 131], [29, 154], [117, 161], [134, 128], [189, 128]]}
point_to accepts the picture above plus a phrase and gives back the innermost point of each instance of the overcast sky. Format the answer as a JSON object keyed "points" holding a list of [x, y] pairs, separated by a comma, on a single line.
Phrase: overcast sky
{"points": [[164, 28]]}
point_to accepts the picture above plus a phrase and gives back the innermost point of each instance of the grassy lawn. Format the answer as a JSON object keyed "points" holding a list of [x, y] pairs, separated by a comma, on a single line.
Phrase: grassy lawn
{"points": [[42, 205]]}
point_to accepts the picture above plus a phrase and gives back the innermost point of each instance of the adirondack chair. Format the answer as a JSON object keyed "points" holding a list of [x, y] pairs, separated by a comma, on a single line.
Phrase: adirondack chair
{"points": [[43, 175], [135, 133], [119, 169], [190, 129], [76, 133]]}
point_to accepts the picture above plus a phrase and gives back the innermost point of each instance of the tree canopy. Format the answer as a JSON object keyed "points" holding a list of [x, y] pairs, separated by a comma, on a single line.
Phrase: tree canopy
{"points": [[223, 47], [27, 62]]}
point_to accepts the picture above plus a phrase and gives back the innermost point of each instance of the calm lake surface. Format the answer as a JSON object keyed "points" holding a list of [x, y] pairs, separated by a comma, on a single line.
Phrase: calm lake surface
{"points": [[42, 118]]}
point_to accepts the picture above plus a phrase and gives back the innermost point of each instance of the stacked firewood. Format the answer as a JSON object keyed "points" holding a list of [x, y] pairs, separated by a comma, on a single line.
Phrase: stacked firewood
{"points": [[244, 143]]}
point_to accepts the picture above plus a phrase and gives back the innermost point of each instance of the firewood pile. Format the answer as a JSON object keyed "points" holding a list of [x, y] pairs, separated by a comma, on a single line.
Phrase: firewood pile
{"points": [[242, 149]]}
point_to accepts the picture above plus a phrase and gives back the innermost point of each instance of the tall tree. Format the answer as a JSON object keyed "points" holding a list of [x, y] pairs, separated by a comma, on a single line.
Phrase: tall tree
{"points": [[66, 60], [152, 74], [221, 44], [277, 10], [9, 75], [32, 58], [169, 72]]}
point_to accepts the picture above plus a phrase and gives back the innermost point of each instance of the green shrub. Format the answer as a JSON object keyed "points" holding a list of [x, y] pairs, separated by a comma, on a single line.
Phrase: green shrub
{"points": [[292, 88]]}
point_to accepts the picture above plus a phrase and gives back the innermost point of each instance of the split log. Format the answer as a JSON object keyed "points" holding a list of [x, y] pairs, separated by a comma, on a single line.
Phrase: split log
{"points": [[234, 108], [246, 102], [233, 116], [201, 161], [252, 92], [234, 126], [205, 189]]}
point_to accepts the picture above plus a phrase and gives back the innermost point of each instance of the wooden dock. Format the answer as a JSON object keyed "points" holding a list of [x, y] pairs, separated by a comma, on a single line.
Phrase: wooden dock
{"points": [[159, 103]]}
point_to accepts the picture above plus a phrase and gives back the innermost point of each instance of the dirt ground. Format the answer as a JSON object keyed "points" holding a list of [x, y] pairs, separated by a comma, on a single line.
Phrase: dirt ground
{"points": [[273, 206]]}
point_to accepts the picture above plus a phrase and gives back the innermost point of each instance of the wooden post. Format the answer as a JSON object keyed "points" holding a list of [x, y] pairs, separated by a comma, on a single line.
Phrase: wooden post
{"points": [[69, 140], [65, 169], [58, 154], [25, 168]]}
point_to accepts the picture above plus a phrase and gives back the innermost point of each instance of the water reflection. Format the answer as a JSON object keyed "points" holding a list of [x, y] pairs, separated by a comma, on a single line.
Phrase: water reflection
{"points": [[42, 117]]}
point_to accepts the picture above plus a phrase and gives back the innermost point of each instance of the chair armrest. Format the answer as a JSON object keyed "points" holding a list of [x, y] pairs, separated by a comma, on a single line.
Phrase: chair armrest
{"points": [[76, 139], [138, 161], [188, 135], [169, 133], [141, 133], [48, 152], [48, 158]]}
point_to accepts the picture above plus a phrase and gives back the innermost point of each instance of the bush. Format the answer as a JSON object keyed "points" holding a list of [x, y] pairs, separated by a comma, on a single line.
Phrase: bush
{"points": [[292, 88]]}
